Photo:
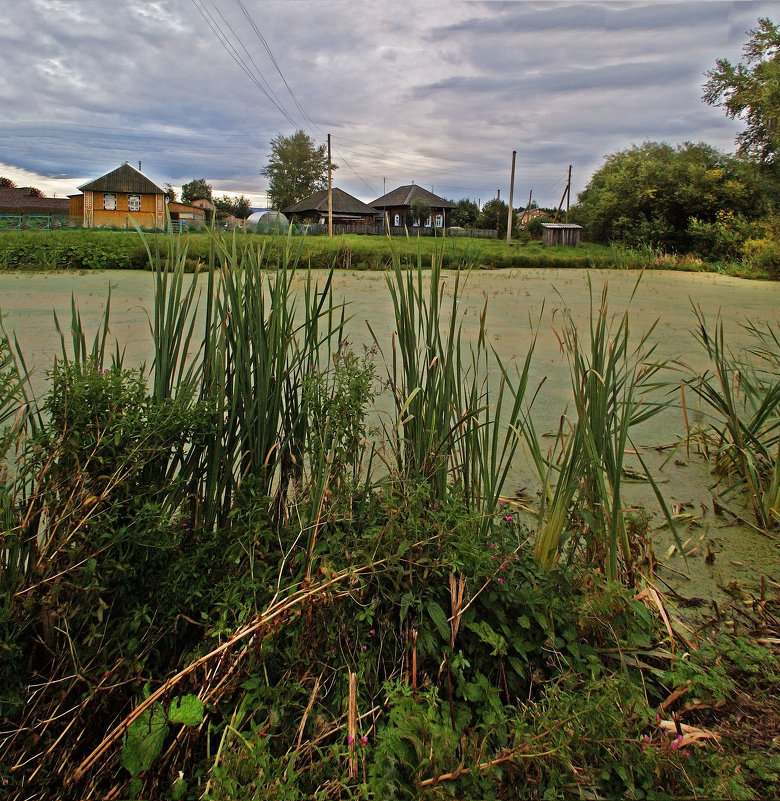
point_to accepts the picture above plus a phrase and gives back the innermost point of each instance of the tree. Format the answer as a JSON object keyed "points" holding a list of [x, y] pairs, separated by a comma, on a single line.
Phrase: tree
{"points": [[751, 91], [236, 206], [6, 183], [493, 216], [196, 189], [649, 195], [465, 213], [170, 193], [296, 169], [420, 209]]}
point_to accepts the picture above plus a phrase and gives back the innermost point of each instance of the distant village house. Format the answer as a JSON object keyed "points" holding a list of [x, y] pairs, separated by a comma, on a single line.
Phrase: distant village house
{"points": [[346, 210], [118, 199], [399, 208]]}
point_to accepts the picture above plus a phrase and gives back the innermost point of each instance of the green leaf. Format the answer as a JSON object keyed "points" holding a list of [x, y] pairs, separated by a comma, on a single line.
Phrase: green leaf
{"points": [[439, 619], [144, 740], [187, 710]]}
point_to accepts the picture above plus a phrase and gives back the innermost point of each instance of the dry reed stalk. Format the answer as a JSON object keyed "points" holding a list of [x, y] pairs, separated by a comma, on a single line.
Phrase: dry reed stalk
{"points": [[308, 709], [414, 663], [261, 621], [352, 726], [457, 591]]}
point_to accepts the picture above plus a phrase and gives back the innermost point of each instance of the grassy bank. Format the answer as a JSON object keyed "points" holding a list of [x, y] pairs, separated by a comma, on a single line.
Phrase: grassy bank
{"points": [[220, 580], [97, 249]]}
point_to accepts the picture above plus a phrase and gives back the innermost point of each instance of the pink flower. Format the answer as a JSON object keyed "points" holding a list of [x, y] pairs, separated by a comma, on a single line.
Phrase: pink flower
{"points": [[501, 581], [350, 739], [372, 632], [364, 739], [509, 518]]}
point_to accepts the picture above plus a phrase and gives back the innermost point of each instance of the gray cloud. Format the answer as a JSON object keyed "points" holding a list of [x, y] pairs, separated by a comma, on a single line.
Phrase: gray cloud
{"points": [[440, 95]]}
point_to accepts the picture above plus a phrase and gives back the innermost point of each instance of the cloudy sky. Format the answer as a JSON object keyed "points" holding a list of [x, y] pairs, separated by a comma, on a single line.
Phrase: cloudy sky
{"points": [[438, 95]]}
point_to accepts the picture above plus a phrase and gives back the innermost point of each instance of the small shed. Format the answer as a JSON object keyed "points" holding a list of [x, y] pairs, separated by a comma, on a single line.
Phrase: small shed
{"points": [[566, 234]]}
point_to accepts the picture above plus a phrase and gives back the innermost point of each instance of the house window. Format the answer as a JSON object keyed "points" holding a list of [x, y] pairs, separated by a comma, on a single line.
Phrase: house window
{"points": [[428, 221], [397, 220], [134, 203], [109, 201], [440, 221]]}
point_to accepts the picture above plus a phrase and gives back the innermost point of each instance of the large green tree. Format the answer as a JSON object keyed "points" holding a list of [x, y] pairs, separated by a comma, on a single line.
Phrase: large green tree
{"points": [[750, 91], [196, 189], [494, 215], [664, 196], [465, 213], [237, 206], [296, 168]]}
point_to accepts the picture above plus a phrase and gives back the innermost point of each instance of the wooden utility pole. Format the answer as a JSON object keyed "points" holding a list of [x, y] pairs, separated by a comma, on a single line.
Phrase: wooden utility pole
{"points": [[330, 192], [565, 196], [511, 198], [527, 208]]}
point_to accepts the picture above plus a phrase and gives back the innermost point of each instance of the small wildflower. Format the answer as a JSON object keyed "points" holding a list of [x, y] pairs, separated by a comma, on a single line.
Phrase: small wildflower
{"points": [[686, 754], [365, 648], [372, 632], [492, 545], [647, 738], [509, 518], [657, 718], [500, 580], [364, 739], [350, 739], [502, 503]]}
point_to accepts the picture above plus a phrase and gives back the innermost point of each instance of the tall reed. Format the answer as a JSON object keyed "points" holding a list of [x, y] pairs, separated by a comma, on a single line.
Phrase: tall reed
{"points": [[457, 408], [612, 383], [743, 396]]}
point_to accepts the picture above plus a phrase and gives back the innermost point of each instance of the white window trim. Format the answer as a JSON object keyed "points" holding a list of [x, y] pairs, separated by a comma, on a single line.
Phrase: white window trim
{"points": [[106, 206], [130, 199]]}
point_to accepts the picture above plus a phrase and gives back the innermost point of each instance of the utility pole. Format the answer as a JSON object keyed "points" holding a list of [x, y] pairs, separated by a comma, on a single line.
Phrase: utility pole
{"points": [[528, 207], [330, 192], [565, 196], [511, 198]]}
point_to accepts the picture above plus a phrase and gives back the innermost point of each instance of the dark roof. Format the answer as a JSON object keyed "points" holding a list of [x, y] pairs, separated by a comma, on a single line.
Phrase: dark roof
{"points": [[18, 200], [561, 226], [343, 203], [123, 179], [404, 195]]}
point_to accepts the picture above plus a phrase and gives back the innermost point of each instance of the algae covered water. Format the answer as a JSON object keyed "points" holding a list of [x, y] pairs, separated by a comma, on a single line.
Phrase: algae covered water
{"points": [[521, 304]]}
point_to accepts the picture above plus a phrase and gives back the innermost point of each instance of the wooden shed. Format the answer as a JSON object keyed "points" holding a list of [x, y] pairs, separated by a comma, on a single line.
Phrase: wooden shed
{"points": [[566, 234]]}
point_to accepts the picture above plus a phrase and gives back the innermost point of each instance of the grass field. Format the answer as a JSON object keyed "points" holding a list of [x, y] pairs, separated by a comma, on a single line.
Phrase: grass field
{"points": [[101, 249]]}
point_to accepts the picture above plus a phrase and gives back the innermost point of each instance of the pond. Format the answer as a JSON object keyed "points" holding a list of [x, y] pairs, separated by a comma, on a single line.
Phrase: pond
{"points": [[518, 302]]}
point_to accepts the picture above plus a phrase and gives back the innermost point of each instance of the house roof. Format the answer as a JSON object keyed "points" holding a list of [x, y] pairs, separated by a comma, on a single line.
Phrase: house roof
{"points": [[404, 195], [176, 205], [18, 200], [123, 179], [343, 203], [561, 226]]}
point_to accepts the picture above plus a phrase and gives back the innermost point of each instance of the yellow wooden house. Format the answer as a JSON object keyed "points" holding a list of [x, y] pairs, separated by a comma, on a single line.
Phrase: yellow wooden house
{"points": [[118, 199]]}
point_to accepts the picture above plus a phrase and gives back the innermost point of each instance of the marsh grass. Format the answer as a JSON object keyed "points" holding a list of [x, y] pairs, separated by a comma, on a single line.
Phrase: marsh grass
{"points": [[615, 384], [743, 397]]}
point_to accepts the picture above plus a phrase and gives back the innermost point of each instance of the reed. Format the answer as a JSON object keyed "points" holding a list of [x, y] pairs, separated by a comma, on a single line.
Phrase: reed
{"points": [[742, 393], [614, 381]]}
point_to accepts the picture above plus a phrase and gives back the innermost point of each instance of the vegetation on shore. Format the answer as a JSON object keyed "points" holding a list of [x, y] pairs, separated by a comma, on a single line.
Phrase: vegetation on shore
{"points": [[221, 580], [104, 249]]}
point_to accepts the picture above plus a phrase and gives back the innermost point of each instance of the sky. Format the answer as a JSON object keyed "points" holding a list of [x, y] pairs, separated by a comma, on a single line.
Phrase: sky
{"points": [[439, 95]]}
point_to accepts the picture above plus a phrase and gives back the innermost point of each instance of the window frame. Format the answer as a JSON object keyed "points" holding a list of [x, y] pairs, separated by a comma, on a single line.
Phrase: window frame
{"points": [[106, 201]]}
